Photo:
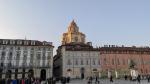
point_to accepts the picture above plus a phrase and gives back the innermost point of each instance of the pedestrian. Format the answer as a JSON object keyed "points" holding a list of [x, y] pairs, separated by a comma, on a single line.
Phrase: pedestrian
{"points": [[96, 80], [148, 78], [68, 79], [63, 80], [139, 79], [89, 81], [23, 81], [0, 81], [130, 77], [54, 80], [125, 77], [111, 78]]}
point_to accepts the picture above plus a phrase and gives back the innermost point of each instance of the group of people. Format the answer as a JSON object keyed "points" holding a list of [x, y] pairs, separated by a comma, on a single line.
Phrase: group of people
{"points": [[138, 78], [90, 80], [28, 81], [65, 80]]}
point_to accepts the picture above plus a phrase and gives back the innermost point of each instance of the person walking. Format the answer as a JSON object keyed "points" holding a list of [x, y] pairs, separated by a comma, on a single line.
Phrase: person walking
{"points": [[125, 77], [89, 80], [96, 80], [139, 79], [111, 78], [148, 78]]}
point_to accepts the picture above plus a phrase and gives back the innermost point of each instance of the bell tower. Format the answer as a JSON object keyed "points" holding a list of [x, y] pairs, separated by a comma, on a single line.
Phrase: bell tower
{"points": [[73, 35]]}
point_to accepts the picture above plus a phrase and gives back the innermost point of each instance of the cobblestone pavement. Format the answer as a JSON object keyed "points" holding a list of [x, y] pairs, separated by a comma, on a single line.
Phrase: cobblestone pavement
{"points": [[105, 81]]}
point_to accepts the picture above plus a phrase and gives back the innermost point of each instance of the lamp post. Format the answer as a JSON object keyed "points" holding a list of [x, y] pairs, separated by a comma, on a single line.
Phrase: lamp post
{"points": [[73, 62], [116, 73]]}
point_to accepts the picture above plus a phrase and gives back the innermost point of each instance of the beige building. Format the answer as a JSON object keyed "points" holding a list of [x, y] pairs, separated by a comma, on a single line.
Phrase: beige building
{"points": [[21, 58], [76, 58]]}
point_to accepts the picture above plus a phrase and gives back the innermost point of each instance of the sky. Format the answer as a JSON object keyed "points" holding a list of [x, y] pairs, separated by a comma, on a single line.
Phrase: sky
{"points": [[105, 22]]}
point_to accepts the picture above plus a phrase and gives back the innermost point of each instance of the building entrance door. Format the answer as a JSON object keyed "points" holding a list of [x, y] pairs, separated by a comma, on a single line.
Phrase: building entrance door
{"points": [[8, 74], [1, 70], [43, 74], [82, 72], [31, 73]]}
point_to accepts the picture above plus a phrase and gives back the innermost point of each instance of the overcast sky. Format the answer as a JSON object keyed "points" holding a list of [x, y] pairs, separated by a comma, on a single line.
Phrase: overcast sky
{"points": [[116, 22]]}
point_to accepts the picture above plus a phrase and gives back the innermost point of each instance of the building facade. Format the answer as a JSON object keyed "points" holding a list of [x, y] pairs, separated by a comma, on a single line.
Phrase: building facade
{"points": [[25, 58], [117, 60], [77, 61], [75, 58]]}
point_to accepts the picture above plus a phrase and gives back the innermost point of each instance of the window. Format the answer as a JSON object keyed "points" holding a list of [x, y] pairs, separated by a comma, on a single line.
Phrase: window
{"points": [[18, 48], [81, 61], [93, 61], [25, 57], [123, 61], [87, 62], [76, 62], [25, 42], [31, 56], [49, 49], [39, 48], [33, 43], [5, 42], [44, 49], [76, 39], [118, 61], [18, 55], [19, 42], [25, 48], [105, 61], [99, 62], [3, 55], [9, 64], [10, 56], [11, 48], [49, 54], [3, 47], [113, 62], [48, 57], [2, 65], [38, 56], [69, 62], [32, 48], [12, 42]]}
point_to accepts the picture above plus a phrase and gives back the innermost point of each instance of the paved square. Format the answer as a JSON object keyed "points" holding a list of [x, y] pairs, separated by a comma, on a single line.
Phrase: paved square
{"points": [[106, 81]]}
